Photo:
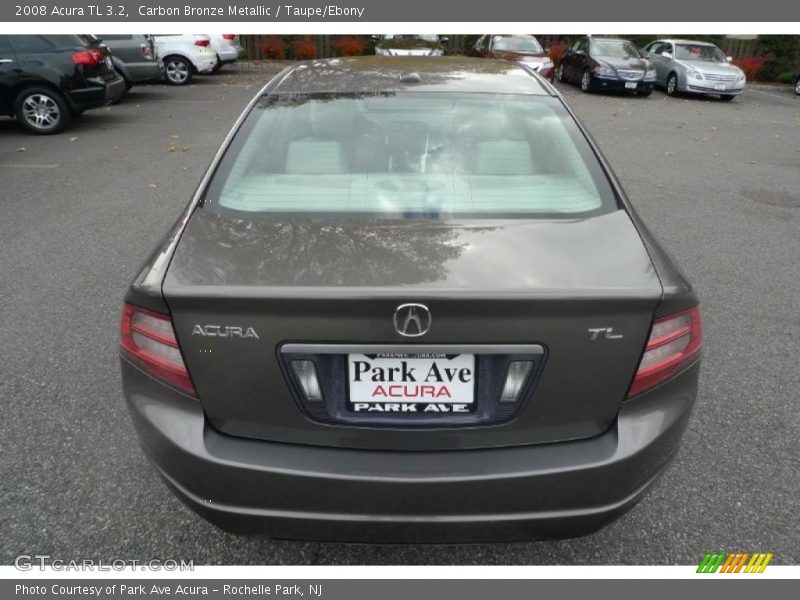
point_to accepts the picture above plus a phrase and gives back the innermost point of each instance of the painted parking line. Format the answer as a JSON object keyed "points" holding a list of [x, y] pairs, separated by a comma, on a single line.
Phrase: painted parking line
{"points": [[785, 97], [27, 166]]}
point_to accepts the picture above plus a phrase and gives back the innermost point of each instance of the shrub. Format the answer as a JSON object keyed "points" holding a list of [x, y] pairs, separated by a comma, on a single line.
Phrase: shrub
{"points": [[272, 46], [350, 45], [751, 65], [305, 48], [786, 77], [557, 52]]}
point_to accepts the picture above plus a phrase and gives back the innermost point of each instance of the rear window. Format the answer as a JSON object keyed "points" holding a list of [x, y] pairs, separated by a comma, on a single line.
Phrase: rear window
{"points": [[409, 155]]}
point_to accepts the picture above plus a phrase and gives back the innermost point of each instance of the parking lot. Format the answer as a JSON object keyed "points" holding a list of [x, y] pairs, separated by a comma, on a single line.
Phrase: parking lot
{"points": [[718, 183]]}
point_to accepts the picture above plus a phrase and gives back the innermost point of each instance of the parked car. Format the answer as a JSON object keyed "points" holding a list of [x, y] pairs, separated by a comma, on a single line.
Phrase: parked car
{"points": [[46, 80], [607, 64], [228, 47], [521, 47], [338, 339], [185, 55], [134, 57], [409, 45], [696, 67]]}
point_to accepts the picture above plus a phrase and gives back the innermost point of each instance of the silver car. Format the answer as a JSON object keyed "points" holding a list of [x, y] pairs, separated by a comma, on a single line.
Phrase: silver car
{"points": [[695, 67]]}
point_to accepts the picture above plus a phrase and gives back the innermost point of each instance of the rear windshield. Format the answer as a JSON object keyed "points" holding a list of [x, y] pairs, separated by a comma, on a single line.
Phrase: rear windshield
{"points": [[408, 155]]}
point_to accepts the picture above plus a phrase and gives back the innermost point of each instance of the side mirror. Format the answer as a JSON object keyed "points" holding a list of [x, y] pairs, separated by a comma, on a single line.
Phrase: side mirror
{"points": [[729, 58], [666, 54]]}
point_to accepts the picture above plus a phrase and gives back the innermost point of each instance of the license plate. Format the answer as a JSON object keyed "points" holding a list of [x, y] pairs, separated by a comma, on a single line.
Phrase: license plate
{"points": [[411, 383], [630, 85], [719, 86]]}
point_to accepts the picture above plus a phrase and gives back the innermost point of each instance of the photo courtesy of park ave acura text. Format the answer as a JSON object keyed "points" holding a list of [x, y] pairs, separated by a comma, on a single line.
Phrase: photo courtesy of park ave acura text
{"points": [[386, 294]]}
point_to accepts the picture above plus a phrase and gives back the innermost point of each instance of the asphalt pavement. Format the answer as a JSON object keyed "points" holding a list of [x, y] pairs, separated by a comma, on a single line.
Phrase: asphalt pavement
{"points": [[718, 183]]}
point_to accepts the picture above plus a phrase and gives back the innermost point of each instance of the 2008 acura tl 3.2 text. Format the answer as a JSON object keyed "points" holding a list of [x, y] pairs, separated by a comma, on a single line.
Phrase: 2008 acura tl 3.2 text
{"points": [[409, 302]]}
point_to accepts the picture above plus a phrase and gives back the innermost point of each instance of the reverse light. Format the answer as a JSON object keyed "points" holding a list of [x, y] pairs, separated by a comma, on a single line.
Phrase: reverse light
{"points": [[306, 374], [89, 57], [516, 376], [675, 342], [202, 43], [148, 340]]}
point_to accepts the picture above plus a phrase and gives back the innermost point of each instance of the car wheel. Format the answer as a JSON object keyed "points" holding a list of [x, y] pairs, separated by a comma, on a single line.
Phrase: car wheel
{"points": [[586, 81], [42, 111], [672, 84], [560, 74], [727, 97], [797, 86], [177, 70]]}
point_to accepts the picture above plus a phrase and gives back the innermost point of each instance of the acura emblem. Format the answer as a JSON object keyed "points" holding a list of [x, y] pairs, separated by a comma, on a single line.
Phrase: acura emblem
{"points": [[412, 320]]}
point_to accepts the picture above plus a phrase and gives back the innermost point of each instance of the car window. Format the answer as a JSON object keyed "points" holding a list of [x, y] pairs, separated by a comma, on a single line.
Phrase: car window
{"points": [[653, 47], [410, 155], [107, 37], [427, 37], [699, 52], [614, 49], [46, 43], [516, 43]]}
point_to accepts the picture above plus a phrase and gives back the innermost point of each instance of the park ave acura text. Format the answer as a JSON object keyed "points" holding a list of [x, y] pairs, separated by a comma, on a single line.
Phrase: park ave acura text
{"points": [[409, 302]]}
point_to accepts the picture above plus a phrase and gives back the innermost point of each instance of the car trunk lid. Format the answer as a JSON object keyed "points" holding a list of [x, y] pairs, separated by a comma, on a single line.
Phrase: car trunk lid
{"points": [[581, 290]]}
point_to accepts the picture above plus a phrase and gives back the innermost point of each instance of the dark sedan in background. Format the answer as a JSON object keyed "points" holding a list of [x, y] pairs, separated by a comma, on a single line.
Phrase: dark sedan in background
{"points": [[409, 302], [610, 64], [520, 47], [45, 80]]}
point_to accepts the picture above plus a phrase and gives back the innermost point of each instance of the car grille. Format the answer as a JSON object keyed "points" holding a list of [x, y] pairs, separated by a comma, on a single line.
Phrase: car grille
{"points": [[630, 75], [713, 77]]}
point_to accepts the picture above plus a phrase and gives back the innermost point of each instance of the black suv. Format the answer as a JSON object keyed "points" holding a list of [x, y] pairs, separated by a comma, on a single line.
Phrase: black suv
{"points": [[45, 80]]}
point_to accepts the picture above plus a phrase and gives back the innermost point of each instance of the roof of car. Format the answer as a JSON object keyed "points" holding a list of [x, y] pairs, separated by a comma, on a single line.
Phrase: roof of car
{"points": [[677, 41], [411, 73]]}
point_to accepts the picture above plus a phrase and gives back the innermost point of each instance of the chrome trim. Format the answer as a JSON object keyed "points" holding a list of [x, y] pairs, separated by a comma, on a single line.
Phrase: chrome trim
{"points": [[292, 348]]}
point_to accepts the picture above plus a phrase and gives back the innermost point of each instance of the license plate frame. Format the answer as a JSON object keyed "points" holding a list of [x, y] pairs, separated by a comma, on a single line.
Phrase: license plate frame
{"points": [[430, 383]]}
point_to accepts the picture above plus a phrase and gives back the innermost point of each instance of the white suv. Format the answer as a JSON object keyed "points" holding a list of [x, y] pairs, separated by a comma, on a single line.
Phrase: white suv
{"points": [[184, 55], [228, 48]]}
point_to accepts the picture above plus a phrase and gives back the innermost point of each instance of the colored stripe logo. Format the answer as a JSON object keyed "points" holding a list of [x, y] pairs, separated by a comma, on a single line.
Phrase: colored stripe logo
{"points": [[738, 562]]}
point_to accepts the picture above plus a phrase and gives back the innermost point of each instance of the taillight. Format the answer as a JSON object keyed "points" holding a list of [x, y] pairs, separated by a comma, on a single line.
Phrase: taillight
{"points": [[202, 43], [228, 36], [147, 52], [87, 57], [675, 341], [148, 340]]}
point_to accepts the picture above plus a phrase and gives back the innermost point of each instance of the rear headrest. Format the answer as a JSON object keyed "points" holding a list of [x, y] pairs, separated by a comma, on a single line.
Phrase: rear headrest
{"points": [[503, 157], [315, 157]]}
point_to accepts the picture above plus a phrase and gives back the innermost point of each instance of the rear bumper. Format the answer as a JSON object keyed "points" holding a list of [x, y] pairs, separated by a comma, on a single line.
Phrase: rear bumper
{"points": [[323, 493], [96, 95], [145, 71]]}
